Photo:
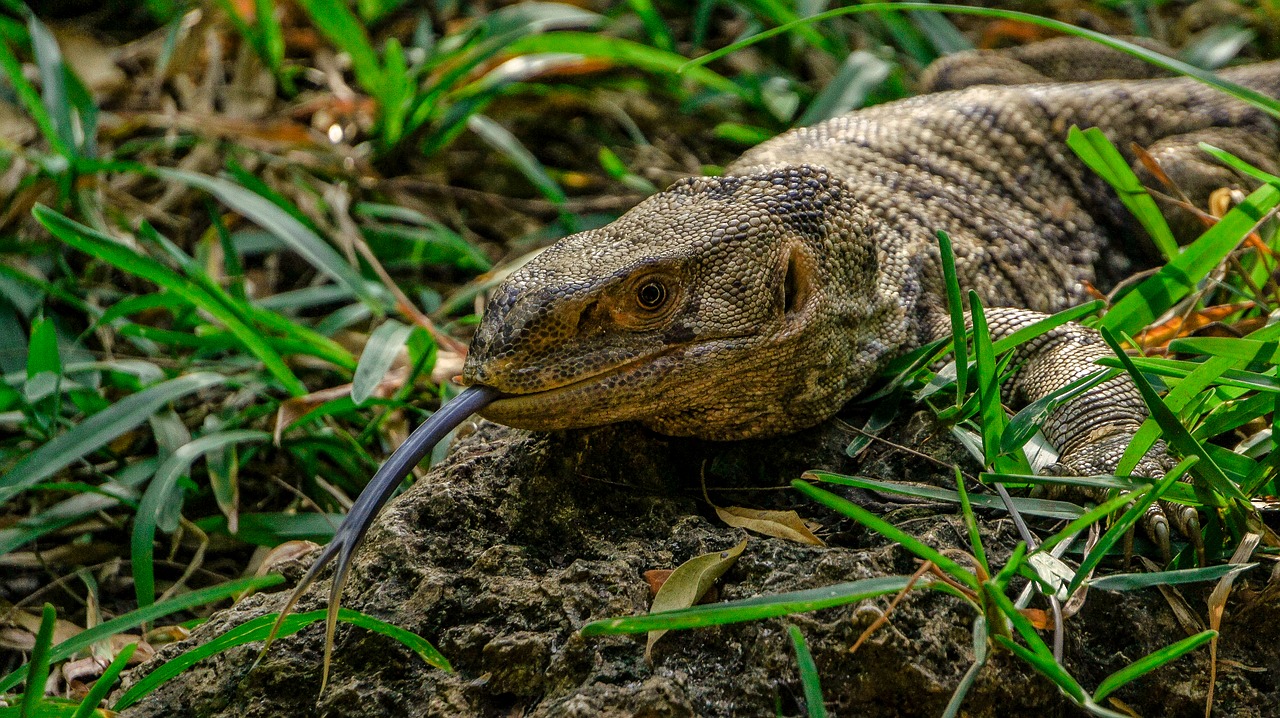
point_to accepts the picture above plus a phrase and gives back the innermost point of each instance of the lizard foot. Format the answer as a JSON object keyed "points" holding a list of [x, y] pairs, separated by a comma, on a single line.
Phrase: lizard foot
{"points": [[1162, 521]]}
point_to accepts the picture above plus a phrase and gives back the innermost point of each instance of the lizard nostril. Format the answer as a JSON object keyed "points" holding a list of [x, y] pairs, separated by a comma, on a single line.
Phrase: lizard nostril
{"points": [[585, 314]]}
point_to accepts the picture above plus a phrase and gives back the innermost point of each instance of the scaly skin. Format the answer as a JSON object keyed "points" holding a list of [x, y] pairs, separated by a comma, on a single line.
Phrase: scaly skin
{"points": [[788, 283], [760, 302]]}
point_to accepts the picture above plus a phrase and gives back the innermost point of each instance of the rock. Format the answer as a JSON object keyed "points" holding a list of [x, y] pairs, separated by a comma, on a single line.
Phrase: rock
{"points": [[517, 540]]}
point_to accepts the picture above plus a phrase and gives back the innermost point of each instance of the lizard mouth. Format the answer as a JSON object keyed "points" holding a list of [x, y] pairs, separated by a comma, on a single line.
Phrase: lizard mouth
{"points": [[566, 404]]}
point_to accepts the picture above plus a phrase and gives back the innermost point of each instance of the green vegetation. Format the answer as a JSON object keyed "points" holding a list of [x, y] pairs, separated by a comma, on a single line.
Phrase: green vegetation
{"points": [[232, 275]]}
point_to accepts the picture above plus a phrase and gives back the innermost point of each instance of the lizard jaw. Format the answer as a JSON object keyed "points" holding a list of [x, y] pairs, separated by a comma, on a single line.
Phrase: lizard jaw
{"points": [[578, 403]]}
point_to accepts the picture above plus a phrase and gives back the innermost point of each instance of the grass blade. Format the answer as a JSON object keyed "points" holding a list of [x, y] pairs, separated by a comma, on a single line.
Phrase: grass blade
{"points": [[1028, 420], [1020, 622], [1105, 160], [1270, 105], [1181, 439], [625, 53], [1126, 522], [272, 529], [501, 139], [379, 353], [1034, 507], [1238, 164], [1198, 378], [257, 630], [1047, 667], [286, 227], [752, 609], [971, 523], [31, 101], [1092, 516], [160, 500], [1134, 581], [981, 650], [1044, 326], [1244, 350], [808, 675], [888, 530], [859, 74], [991, 409], [53, 88], [1150, 662], [38, 666], [96, 431], [99, 245], [955, 306], [337, 23], [1175, 280], [137, 617], [103, 685]]}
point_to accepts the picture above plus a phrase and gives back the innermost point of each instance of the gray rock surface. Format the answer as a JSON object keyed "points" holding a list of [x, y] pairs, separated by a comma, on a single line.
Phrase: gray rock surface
{"points": [[518, 539]]}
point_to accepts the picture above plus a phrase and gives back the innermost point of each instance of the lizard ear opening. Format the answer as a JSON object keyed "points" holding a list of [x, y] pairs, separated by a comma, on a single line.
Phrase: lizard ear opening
{"points": [[796, 283]]}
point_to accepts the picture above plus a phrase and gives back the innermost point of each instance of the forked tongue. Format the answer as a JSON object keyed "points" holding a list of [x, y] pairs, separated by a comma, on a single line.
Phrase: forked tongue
{"points": [[351, 533]]}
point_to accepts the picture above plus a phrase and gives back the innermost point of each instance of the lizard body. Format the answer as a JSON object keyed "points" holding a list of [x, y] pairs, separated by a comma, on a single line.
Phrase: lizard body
{"points": [[760, 302], [787, 283]]}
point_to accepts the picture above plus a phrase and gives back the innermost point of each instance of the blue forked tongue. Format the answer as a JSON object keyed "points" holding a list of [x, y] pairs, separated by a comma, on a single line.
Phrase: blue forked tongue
{"points": [[354, 527]]}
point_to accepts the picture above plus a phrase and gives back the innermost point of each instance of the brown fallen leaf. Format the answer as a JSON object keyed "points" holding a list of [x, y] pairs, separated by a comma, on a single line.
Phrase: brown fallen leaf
{"points": [[18, 629], [1220, 201], [656, 577], [284, 553], [448, 365], [688, 582], [1218, 604], [295, 408], [1162, 334], [1040, 618], [778, 524], [1000, 33], [92, 61], [162, 635], [141, 654]]}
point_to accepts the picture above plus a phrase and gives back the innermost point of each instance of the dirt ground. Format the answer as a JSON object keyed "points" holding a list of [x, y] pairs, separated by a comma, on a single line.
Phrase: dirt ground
{"points": [[519, 539]]}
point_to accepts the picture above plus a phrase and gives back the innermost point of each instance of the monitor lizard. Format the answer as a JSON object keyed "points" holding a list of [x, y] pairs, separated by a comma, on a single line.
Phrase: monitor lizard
{"points": [[759, 302]]}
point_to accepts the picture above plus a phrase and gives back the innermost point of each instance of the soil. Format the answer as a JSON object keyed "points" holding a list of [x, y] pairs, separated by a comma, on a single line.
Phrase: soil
{"points": [[518, 539]]}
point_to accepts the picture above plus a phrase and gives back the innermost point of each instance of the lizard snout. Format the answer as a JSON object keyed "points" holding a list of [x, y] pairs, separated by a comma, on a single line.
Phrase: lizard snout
{"points": [[521, 331]]}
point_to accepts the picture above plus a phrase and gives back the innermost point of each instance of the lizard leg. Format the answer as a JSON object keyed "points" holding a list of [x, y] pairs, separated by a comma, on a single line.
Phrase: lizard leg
{"points": [[1092, 429], [1067, 59], [1196, 175]]}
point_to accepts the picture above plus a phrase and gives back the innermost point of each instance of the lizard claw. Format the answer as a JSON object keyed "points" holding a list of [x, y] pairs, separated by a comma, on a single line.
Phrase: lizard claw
{"points": [[1189, 526], [1157, 526]]}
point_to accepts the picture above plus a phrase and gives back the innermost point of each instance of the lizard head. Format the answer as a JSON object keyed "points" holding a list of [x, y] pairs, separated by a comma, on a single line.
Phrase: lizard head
{"points": [[721, 308]]}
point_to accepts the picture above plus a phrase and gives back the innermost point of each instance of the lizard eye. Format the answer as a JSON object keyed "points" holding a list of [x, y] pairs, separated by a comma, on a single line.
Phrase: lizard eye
{"points": [[651, 295]]}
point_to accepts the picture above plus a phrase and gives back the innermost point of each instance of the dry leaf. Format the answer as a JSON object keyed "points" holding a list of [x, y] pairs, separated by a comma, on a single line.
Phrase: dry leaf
{"points": [[448, 365], [284, 553], [1001, 32], [656, 577], [1220, 201], [778, 524], [142, 654], [1040, 618], [291, 410], [91, 61], [18, 629], [1161, 335], [161, 635], [689, 582], [1218, 603]]}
